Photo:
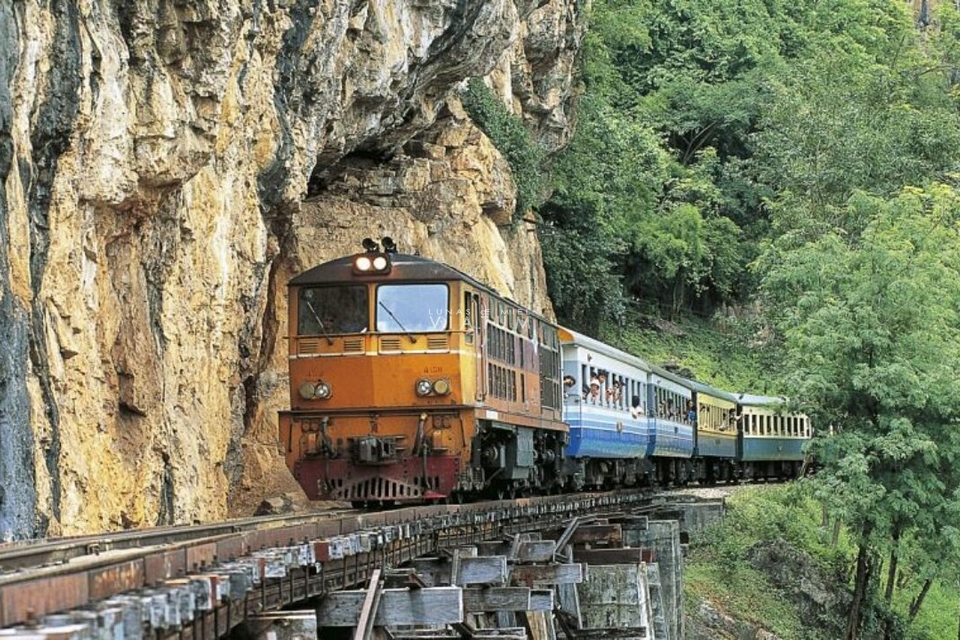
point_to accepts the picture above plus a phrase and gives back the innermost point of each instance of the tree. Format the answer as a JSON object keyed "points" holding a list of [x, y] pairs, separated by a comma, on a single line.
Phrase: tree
{"points": [[871, 336]]}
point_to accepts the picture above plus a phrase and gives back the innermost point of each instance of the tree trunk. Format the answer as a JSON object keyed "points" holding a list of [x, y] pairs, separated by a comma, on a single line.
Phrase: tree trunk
{"points": [[835, 539], [892, 569], [891, 579], [918, 601], [902, 580], [859, 592]]}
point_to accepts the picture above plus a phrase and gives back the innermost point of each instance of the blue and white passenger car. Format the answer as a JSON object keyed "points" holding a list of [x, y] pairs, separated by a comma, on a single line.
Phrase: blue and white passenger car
{"points": [[672, 426], [606, 407]]}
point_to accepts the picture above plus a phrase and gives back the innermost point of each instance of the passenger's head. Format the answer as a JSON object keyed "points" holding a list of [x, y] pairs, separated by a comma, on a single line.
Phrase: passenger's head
{"points": [[568, 381]]}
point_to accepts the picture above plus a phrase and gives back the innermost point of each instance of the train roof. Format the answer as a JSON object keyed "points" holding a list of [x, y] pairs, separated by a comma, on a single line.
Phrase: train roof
{"points": [[572, 337], [699, 387], [750, 400], [409, 267], [405, 266]]}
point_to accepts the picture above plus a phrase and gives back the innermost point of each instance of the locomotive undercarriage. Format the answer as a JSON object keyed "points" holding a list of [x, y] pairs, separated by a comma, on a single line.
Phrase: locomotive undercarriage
{"points": [[390, 464], [515, 460]]}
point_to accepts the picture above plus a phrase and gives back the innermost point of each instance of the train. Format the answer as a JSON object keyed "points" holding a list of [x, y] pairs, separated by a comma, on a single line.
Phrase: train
{"points": [[411, 381]]}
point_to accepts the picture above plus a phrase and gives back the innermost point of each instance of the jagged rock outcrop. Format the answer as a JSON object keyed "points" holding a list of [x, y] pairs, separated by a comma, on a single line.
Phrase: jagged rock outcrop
{"points": [[154, 160], [819, 599]]}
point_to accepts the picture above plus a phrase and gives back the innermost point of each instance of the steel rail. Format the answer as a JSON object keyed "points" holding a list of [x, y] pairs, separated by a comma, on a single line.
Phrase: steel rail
{"points": [[32, 554]]}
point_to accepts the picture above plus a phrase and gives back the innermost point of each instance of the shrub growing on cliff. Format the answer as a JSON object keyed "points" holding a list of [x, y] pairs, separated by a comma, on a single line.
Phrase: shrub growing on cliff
{"points": [[509, 136]]}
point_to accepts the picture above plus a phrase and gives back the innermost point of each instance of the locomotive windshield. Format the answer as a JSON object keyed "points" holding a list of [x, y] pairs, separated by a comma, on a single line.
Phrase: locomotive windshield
{"points": [[328, 310], [412, 308]]}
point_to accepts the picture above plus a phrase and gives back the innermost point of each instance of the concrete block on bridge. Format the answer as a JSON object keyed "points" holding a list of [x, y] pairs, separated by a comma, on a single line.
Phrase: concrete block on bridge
{"points": [[283, 625]]}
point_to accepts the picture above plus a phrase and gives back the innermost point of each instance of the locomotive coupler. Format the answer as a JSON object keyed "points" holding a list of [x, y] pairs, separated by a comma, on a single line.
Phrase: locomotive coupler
{"points": [[374, 450]]}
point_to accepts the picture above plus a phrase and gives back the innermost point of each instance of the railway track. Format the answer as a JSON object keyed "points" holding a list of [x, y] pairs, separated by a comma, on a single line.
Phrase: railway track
{"points": [[267, 563], [34, 554]]}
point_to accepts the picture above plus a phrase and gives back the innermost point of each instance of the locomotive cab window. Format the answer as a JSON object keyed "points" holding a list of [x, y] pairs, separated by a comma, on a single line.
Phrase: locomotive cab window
{"points": [[412, 308], [331, 310]]}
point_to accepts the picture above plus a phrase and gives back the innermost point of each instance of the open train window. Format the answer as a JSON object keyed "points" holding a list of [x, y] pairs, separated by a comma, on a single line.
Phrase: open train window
{"points": [[331, 310], [412, 308]]}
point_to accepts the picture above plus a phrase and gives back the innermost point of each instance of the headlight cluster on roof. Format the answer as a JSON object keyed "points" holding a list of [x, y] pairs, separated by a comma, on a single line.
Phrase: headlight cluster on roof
{"points": [[371, 263]]}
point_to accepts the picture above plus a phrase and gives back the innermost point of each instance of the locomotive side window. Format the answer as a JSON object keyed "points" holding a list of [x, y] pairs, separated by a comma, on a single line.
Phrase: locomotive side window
{"points": [[468, 317], [330, 310], [412, 308]]}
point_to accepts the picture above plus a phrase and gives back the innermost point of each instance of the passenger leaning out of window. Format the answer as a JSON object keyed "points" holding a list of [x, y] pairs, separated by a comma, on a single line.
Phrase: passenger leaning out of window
{"points": [[594, 393], [614, 392]]}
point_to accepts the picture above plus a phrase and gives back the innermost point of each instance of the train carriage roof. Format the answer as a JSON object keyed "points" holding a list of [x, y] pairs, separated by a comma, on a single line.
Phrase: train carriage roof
{"points": [[569, 336], [700, 387], [750, 400], [693, 385]]}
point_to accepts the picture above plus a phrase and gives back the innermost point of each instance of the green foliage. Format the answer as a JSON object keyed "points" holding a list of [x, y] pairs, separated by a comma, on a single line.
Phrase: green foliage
{"points": [[718, 570], [506, 131], [743, 593], [787, 513], [718, 352], [586, 231], [819, 143], [871, 334], [709, 127], [937, 619], [836, 129]]}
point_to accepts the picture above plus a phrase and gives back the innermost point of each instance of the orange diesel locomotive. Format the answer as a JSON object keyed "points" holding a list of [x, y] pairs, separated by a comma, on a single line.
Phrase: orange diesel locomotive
{"points": [[411, 381]]}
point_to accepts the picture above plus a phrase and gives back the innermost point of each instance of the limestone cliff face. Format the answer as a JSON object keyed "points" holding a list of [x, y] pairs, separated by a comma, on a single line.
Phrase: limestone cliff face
{"points": [[166, 166]]}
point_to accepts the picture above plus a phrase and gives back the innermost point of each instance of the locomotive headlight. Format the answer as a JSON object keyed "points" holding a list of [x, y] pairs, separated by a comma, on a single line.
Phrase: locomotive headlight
{"points": [[363, 263], [380, 263], [424, 387], [307, 391], [323, 390], [441, 387]]}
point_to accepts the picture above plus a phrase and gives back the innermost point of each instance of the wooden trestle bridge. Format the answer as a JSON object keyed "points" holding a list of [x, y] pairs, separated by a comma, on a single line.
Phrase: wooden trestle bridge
{"points": [[598, 565]]}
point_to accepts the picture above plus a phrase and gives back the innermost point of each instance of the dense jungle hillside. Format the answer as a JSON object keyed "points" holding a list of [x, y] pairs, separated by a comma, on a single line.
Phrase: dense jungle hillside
{"points": [[790, 169]]}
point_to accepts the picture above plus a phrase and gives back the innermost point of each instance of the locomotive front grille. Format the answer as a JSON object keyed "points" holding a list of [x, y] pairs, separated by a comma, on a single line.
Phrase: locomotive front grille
{"points": [[377, 489], [352, 345]]}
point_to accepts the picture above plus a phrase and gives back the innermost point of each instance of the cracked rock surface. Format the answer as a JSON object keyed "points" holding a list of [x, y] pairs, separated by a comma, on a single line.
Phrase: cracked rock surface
{"points": [[155, 163]]}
